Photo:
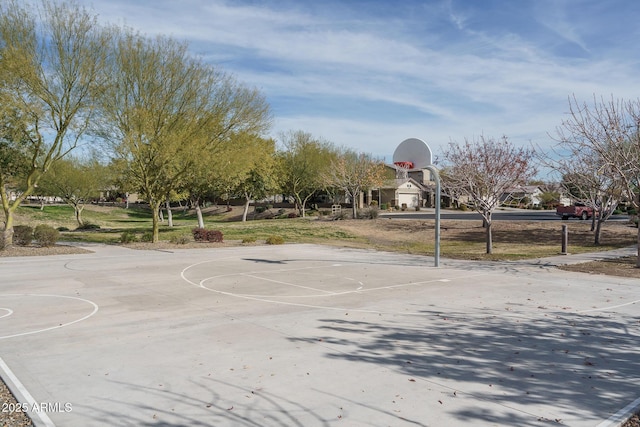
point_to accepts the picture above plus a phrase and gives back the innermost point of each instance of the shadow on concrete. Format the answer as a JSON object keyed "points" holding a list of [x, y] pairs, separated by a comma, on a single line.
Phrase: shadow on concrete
{"points": [[585, 365], [209, 403]]}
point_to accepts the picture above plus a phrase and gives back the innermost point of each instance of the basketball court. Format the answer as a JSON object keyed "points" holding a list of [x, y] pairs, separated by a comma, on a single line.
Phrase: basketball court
{"points": [[313, 336]]}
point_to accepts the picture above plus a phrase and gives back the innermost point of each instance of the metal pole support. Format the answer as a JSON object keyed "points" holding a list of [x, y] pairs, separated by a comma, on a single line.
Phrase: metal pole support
{"points": [[436, 177], [565, 239]]}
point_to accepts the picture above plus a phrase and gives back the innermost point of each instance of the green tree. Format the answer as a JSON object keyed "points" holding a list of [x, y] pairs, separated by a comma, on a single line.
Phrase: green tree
{"points": [[259, 179], [549, 198], [304, 161], [354, 173], [171, 119], [155, 113], [75, 182], [50, 58]]}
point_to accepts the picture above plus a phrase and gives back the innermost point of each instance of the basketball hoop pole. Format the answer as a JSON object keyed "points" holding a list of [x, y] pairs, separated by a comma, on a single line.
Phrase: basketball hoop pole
{"points": [[414, 153], [436, 176]]}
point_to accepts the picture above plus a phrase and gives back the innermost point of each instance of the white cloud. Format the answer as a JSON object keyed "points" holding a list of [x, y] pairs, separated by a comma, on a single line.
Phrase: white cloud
{"points": [[435, 72]]}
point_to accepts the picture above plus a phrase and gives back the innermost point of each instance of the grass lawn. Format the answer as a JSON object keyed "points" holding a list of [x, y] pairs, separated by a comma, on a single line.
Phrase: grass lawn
{"points": [[459, 239]]}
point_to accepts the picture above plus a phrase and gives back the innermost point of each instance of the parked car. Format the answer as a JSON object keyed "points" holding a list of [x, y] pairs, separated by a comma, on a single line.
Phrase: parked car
{"points": [[578, 210]]}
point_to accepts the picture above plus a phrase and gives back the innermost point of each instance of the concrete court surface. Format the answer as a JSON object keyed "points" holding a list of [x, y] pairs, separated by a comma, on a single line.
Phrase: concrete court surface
{"points": [[306, 335]]}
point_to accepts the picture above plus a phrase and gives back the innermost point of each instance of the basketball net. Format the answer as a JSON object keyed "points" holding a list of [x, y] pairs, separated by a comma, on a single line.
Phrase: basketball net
{"points": [[402, 169]]}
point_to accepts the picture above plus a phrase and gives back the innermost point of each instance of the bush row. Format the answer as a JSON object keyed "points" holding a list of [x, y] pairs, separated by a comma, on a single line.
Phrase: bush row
{"points": [[204, 235], [44, 234]]}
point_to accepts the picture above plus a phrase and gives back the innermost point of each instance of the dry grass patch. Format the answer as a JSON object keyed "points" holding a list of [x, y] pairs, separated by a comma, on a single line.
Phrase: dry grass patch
{"points": [[623, 267], [466, 239]]}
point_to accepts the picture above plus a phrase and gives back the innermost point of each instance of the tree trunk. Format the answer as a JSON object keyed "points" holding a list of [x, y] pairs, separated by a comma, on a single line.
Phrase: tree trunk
{"points": [[354, 206], [160, 213], [169, 214], [78, 213], [199, 214], [155, 209], [598, 232], [489, 236], [7, 208], [247, 202], [638, 260], [7, 238]]}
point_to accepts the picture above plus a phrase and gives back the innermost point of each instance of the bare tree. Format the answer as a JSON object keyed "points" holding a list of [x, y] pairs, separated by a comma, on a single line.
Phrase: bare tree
{"points": [[354, 173], [484, 170], [611, 130], [50, 58], [588, 179]]}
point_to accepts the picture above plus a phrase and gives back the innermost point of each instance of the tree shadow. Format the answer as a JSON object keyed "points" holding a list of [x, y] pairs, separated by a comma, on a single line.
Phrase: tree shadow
{"points": [[207, 403], [573, 363]]}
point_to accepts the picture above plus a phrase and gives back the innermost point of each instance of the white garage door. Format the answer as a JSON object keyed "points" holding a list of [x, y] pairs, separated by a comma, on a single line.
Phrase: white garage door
{"points": [[411, 199]]}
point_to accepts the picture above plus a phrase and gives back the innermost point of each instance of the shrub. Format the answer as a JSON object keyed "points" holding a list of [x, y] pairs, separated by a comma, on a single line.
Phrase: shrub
{"points": [[342, 214], [274, 240], [372, 213], [128, 237], [260, 209], [22, 235], [204, 235], [249, 239], [88, 226], [384, 206], [374, 203], [46, 235], [147, 237], [181, 239], [292, 215]]}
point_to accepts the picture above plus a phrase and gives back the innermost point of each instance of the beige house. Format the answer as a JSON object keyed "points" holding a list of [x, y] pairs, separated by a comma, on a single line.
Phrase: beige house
{"points": [[413, 190]]}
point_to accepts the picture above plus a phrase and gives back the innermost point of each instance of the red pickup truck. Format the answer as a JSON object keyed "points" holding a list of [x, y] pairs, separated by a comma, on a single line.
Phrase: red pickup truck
{"points": [[576, 211]]}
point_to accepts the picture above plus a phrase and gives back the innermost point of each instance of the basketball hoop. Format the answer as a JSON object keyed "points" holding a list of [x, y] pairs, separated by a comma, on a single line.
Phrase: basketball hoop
{"points": [[415, 154], [404, 165], [402, 169]]}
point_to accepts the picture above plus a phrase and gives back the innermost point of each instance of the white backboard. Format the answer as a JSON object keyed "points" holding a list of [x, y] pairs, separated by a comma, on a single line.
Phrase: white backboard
{"points": [[415, 151]]}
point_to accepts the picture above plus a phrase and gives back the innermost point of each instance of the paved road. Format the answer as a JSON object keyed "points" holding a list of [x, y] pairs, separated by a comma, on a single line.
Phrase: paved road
{"points": [[307, 335], [520, 215]]}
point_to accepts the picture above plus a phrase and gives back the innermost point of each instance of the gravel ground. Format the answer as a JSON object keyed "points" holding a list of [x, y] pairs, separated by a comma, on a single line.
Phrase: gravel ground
{"points": [[9, 417]]}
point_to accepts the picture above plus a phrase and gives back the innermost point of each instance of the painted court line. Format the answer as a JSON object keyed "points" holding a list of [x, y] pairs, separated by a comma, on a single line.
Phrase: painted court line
{"points": [[622, 415], [609, 308], [286, 283], [95, 310], [10, 376]]}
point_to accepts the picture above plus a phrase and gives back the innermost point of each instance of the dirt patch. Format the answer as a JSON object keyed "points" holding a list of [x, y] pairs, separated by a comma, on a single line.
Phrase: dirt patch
{"points": [[41, 250], [623, 267]]}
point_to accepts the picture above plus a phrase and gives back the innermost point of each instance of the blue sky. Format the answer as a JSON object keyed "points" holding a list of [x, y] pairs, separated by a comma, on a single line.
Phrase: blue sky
{"points": [[369, 74]]}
